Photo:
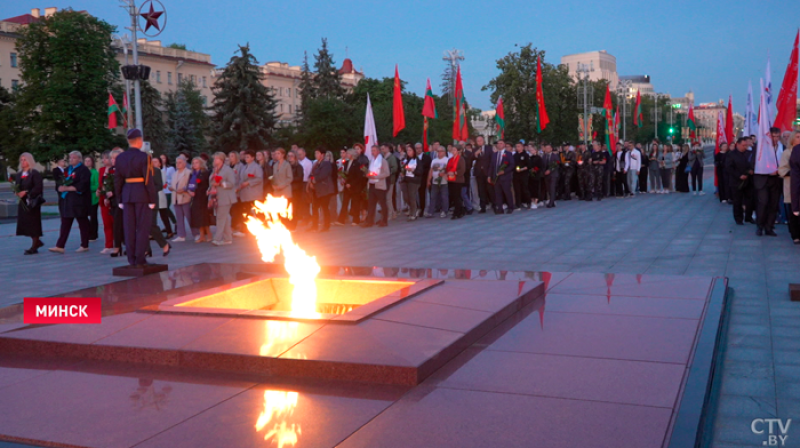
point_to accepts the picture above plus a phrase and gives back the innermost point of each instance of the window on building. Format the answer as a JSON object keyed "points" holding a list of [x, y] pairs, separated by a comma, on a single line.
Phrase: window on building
{"points": [[180, 78], [290, 108], [14, 84], [13, 59], [289, 92], [169, 78], [158, 76], [204, 82], [281, 108]]}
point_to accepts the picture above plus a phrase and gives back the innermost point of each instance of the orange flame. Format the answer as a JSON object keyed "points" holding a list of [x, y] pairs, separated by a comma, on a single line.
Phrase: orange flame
{"points": [[279, 404], [274, 238]]}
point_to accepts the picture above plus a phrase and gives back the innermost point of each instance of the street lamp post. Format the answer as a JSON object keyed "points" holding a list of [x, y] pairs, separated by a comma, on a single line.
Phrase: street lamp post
{"points": [[623, 89], [582, 72]]}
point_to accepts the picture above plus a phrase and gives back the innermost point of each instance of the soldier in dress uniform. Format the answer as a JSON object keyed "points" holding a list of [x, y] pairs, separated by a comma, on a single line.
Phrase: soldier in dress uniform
{"points": [[599, 161], [568, 161], [136, 190], [584, 173]]}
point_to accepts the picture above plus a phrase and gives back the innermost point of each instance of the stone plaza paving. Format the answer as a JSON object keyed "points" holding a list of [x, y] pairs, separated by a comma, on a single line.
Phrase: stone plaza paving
{"points": [[676, 234]]}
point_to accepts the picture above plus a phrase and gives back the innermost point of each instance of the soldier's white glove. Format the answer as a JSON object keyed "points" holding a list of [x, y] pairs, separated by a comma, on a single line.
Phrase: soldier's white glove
{"points": [[152, 206], [120, 206]]}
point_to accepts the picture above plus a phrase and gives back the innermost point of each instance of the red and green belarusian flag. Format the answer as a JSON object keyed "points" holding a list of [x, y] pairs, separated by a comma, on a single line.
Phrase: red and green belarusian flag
{"points": [[637, 113], [428, 111], [607, 108], [113, 108], [542, 120], [398, 114], [500, 119], [691, 124], [460, 132]]}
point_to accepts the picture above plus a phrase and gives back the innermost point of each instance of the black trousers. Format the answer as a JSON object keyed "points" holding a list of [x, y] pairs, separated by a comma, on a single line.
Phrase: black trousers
{"points": [[643, 178], [551, 181], [697, 177], [741, 202], [423, 195], [566, 182], [94, 224], [138, 221], [503, 195], [119, 234], [455, 195], [375, 197], [534, 186], [321, 203], [165, 218], [66, 226], [483, 191], [155, 231], [768, 199], [794, 222], [621, 183], [522, 192], [352, 198]]}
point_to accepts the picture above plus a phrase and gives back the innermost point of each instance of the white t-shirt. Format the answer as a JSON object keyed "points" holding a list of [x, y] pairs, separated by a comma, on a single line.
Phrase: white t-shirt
{"points": [[307, 165], [438, 165]]}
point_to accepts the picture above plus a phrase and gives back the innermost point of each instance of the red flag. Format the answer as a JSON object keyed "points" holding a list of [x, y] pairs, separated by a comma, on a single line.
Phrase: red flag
{"points": [[459, 117], [429, 107], [542, 120], [729, 122], [787, 99], [398, 115], [113, 108], [692, 124], [607, 107], [500, 119], [425, 146], [637, 113]]}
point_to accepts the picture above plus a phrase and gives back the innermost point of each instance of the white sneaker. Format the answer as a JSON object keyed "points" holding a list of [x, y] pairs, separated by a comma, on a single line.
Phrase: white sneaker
{"points": [[107, 251], [221, 243], [238, 234], [178, 240], [701, 193], [443, 215], [82, 249]]}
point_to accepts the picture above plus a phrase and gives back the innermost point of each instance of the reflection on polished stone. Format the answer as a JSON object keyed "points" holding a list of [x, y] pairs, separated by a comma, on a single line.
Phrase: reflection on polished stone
{"points": [[279, 406]]}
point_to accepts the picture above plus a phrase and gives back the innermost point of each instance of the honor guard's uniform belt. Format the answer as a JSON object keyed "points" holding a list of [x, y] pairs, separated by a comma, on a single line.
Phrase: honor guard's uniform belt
{"points": [[134, 180]]}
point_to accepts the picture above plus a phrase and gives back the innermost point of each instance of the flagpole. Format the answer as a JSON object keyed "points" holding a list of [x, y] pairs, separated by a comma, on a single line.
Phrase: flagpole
{"points": [[129, 111]]}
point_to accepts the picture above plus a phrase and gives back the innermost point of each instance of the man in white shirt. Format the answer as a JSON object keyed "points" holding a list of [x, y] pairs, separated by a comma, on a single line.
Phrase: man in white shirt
{"points": [[634, 164], [621, 178]]}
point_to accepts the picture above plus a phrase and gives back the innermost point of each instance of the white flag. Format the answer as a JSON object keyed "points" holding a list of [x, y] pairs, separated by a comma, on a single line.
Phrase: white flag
{"points": [[750, 119], [766, 159], [370, 133], [767, 88]]}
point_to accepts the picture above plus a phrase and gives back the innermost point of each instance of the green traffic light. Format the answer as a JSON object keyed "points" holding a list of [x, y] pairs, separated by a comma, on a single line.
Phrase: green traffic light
{"points": [[671, 130]]}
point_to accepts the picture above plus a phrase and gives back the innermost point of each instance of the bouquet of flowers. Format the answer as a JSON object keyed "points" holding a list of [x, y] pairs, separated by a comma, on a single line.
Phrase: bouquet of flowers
{"points": [[23, 201], [68, 180], [552, 166], [108, 183]]}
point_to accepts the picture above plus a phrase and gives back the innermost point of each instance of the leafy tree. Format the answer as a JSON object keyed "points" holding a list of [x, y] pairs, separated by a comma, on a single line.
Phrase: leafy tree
{"points": [[516, 83], [244, 109], [328, 80], [10, 131], [155, 127], [331, 123], [67, 68], [177, 46]]}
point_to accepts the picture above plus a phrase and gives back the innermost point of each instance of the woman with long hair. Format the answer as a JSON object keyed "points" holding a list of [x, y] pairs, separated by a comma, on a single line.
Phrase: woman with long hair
{"points": [[696, 157], [667, 167], [682, 171], [654, 168], [181, 199], [412, 171], [30, 190]]}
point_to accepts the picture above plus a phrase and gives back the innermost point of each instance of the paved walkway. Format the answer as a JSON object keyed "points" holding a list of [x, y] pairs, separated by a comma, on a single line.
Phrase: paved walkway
{"points": [[676, 234]]}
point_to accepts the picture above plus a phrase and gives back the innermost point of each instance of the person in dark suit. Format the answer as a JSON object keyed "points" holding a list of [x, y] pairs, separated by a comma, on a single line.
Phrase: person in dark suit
{"points": [[466, 190], [320, 188], [354, 183], [75, 192], [426, 158], [502, 171], [135, 187], [522, 196], [112, 202], [551, 162], [739, 168], [30, 189], [483, 161], [768, 186]]}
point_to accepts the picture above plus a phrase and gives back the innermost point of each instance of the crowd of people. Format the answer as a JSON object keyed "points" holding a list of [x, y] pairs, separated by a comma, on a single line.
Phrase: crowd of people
{"points": [[370, 186]]}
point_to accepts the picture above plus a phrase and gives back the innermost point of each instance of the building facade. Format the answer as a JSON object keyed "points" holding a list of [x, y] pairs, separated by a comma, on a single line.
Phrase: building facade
{"points": [[284, 80], [638, 83], [169, 66], [603, 63]]}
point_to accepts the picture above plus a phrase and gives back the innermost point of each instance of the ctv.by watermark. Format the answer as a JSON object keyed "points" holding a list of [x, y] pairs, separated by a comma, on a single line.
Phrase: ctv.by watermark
{"points": [[774, 430]]}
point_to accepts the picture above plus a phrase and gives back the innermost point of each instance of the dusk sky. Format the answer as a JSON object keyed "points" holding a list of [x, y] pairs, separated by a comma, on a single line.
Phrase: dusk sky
{"points": [[712, 47]]}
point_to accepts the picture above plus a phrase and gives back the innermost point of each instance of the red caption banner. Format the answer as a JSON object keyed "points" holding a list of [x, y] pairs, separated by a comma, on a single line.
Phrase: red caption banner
{"points": [[62, 310]]}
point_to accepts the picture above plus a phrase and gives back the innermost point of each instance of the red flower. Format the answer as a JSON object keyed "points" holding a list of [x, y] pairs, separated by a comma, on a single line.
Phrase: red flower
{"points": [[218, 179], [251, 175], [198, 180]]}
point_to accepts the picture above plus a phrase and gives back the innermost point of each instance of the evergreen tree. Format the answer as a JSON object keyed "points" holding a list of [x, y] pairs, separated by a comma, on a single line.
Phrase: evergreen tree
{"points": [[188, 96], [307, 88], [155, 128], [244, 109], [328, 80], [67, 69], [182, 130]]}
